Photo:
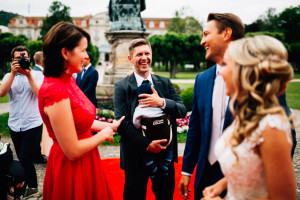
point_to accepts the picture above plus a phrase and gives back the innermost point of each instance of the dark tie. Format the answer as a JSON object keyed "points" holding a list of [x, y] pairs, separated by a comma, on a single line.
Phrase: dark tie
{"points": [[83, 72], [146, 81]]}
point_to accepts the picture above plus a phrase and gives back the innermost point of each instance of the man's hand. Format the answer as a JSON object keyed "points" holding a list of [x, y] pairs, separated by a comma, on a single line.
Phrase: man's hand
{"points": [[15, 67], [184, 190], [151, 100], [26, 72], [155, 146], [116, 124]]}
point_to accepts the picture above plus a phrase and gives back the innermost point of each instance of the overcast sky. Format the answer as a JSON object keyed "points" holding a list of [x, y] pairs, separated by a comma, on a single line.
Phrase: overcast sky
{"points": [[247, 10]]}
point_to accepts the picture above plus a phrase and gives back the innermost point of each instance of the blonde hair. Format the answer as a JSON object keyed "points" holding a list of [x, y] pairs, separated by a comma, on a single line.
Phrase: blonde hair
{"points": [[260, 74]]}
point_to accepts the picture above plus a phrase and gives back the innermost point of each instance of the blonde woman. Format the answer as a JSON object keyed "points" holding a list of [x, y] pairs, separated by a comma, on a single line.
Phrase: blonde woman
{"points": [[254, 152]]}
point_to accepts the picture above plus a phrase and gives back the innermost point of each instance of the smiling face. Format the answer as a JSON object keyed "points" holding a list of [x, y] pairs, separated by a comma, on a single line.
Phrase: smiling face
{"points": [[77, 56], [227, 73], [141, 58], [214, 42]]}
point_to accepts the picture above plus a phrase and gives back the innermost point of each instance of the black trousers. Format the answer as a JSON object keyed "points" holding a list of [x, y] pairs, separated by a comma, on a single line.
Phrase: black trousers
{"points": [[211, 174], [26, 145], [136, 184]]}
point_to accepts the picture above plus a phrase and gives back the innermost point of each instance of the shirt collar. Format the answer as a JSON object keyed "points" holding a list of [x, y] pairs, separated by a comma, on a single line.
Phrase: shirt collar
{"points": [[219, 67], [87, 67], [140, 79], [39, 66]]}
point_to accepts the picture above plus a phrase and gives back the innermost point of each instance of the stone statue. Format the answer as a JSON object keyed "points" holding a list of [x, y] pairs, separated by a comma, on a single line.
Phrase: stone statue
{"points": [[126, 14]]}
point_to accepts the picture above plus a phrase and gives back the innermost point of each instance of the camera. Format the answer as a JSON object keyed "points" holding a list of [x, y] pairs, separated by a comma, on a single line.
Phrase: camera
{"points": [[24, 62]]}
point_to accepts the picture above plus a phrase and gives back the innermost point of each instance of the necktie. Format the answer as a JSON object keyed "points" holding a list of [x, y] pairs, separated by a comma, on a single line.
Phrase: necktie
{"points": [[83, 72], [218, 113], [145, 81]]}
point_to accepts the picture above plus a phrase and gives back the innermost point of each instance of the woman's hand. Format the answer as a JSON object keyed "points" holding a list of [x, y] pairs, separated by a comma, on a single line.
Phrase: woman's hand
{"points": [[116, 124], [108, 134], [215, 190]]}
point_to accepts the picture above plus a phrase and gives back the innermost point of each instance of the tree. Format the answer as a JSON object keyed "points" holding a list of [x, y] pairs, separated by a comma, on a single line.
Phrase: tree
{"points": [[58, 12], [93, 50], [7, 42], [5, 17], [289, 23], [188, 25], [33, 47]]}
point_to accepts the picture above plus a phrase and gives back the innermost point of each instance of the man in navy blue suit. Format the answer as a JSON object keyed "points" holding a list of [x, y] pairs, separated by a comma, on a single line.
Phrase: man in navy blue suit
{"points": [[206, 125], [87, 80]]}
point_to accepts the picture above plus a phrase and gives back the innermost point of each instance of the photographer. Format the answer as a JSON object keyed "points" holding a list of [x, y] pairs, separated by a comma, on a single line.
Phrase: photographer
{"points": [[25, 123]]}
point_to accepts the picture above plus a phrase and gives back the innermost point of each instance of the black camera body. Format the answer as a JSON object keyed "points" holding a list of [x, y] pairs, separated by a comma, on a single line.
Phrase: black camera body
{"points": [[24, 62]]}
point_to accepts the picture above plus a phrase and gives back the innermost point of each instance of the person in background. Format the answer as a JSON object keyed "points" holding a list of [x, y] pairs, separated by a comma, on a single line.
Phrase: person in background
{"points": [[24, 122], [38, 60], [74, 169], [254, 152], [87, 79]]}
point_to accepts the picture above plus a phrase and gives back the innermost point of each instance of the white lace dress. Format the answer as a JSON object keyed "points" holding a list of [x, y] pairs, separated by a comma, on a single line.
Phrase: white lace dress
{"points": [[246, 179]]}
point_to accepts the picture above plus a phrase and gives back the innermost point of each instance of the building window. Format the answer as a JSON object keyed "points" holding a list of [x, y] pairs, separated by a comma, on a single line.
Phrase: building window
{"points": [[97, 22], [29, 35], [162, 24], [40, 23], [151, 24], [20, 21], [83, 23], [21, 32]]}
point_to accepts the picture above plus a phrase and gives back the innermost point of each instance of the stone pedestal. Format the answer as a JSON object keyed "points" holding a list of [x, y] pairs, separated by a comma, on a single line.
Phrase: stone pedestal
{"points": [[119, 43]]}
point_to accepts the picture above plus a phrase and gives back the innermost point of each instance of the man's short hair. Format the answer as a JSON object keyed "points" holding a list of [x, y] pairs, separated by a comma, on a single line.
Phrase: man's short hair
{"points": [[18, 48], [228, 20], [138, 42], [38, 57], [90, 56]]}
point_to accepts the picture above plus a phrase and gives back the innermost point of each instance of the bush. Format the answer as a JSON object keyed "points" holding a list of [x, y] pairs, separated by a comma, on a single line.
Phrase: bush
{"points": [[177, 88], [187, 97], [4, 130], [105, 115]]}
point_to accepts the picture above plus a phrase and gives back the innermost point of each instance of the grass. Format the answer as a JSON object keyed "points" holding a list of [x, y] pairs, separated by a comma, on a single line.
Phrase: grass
{"points": [[297, 76], [179, 75], [4, 99], [4, 130], [293, 95]]}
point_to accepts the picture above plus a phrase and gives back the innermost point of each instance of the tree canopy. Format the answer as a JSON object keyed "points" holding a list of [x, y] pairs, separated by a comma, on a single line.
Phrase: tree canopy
{"points": [[5, 17], [58, 12]]}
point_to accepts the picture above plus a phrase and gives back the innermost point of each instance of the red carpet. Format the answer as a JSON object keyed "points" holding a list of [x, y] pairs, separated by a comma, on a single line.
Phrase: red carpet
{"points": [[116, 179]]}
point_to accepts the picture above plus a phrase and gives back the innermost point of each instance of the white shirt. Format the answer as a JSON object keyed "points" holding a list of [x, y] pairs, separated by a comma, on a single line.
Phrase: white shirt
{"points": [[226, 97], [23, 104]]}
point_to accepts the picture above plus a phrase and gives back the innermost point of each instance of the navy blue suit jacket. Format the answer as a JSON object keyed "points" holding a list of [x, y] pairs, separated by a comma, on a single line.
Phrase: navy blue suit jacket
{"points": [[88, 83], [199, 133]]}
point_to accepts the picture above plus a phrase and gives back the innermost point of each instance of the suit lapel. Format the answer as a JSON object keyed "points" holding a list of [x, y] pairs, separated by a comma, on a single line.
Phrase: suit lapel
{"points": [[133, 94], [158, 86]]}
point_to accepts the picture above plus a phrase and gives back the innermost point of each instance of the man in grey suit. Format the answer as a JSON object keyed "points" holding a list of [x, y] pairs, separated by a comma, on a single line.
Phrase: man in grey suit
{"points": [[133, 144]]}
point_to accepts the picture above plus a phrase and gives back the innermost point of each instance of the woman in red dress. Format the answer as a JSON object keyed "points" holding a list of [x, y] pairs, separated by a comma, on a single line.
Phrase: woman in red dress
{"points": [[74, 168]]}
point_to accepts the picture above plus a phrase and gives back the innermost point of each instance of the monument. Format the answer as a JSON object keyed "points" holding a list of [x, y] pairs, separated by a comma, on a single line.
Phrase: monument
{"points": [[127, 24]]}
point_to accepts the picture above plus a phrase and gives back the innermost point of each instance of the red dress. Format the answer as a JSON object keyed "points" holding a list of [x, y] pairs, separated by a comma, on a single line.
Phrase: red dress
{"points": [[84, 177]]}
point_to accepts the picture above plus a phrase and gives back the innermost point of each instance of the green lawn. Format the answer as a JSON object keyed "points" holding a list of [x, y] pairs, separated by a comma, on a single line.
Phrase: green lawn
{"points": [[179, 75], [293, 95], [3, 125], [4, 99], [297, 76]]}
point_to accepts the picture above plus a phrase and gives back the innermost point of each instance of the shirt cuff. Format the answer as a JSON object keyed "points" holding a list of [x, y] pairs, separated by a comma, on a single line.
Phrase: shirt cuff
{"points": [[187, 174], [164, 106]]}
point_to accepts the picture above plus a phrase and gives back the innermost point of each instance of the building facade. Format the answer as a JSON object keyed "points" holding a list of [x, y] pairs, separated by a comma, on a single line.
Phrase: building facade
{"points": [[95, 25]]}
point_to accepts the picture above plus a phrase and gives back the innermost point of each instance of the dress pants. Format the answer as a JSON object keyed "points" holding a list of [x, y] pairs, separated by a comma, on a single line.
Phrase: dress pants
{"points": [[26, 145], [211, 174], [136, 184]]}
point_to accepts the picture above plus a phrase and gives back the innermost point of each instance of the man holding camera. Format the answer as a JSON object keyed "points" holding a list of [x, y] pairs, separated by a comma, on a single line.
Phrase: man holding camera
{"points": [[25, 123]]}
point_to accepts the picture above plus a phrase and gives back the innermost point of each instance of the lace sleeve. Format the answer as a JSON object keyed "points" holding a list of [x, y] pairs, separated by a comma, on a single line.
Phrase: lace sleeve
{"points": [[274, 121], [53, 93]]}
